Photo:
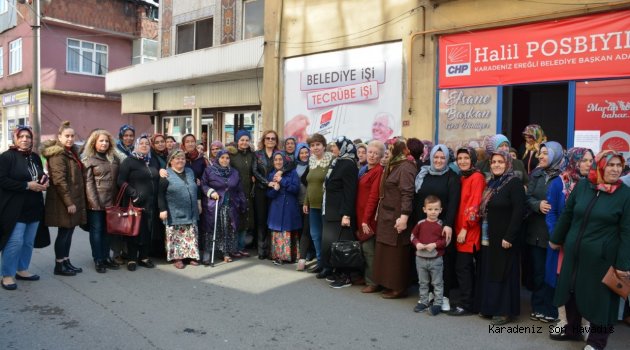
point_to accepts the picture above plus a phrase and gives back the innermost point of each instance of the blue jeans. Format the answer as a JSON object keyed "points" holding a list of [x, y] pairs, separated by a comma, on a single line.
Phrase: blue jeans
{"points": [[315, 223], [542, 295], [17, 253], [99, 239]]}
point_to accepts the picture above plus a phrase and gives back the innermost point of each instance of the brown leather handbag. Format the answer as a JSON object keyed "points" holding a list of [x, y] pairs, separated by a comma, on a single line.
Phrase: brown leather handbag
{"points": [[123, 221], [621, 286]]}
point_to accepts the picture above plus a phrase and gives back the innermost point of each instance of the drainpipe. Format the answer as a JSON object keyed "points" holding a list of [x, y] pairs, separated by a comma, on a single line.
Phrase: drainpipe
{"points": [[276, 106]]}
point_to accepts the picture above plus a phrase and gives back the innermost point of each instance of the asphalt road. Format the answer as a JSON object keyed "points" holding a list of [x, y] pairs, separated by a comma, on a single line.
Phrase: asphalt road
{"points": [[240, 305]]}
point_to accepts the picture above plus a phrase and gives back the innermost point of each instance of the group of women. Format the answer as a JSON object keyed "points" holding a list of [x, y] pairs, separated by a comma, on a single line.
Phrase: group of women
{"points": [[568, 212]]}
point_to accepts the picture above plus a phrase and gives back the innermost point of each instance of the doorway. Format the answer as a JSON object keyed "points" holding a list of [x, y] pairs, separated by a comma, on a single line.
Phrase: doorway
{"points": [[544, 104]]}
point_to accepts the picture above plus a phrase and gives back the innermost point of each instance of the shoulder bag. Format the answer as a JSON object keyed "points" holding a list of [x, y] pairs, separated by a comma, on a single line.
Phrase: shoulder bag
{"points": [[123, 221]]}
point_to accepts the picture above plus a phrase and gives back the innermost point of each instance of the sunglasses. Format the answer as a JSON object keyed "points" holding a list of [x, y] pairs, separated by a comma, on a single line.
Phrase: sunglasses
{"points": [[270, 138]]}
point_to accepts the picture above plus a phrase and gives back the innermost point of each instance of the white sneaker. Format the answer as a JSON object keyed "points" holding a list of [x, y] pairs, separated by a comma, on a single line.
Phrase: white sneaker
{"points": [[446, 306], [588, 347]]}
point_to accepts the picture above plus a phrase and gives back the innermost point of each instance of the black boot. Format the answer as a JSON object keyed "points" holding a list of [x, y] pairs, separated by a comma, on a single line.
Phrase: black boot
{"points": [[100, 266], [71, 267], [111, 264], [61, 269]]}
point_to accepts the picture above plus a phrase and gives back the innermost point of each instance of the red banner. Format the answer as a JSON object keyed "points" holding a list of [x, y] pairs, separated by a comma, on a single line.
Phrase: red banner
{"points": [[596, 46], [602, 115]]}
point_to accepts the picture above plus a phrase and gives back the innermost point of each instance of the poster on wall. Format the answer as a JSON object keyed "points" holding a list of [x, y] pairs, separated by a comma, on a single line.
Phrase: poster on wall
{"points": [[602, 115], [467, 116], [355, 93], [585, 47]]}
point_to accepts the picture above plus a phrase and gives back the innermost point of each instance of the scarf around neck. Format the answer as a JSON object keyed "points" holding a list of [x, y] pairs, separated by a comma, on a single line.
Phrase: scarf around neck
{"points": [[571, 175], [497, 182]]}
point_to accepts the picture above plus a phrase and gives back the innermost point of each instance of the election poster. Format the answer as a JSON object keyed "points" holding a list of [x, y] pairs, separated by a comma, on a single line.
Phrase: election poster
{"points": [[355, 93]]}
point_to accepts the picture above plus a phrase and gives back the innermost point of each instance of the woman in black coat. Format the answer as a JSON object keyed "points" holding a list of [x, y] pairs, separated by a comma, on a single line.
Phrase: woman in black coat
{"points": [[339, 207], [140, 172], [21, 206]]}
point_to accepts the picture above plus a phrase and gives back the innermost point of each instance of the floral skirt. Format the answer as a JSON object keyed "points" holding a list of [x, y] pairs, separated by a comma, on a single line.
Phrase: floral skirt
{"points": [[284, 246], [181, 242]]}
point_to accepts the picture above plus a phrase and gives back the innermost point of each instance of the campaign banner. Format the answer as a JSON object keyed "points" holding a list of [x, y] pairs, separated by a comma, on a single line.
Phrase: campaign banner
{"points": [[355, 93], [602, 115], [585, 47], [467, 116]]}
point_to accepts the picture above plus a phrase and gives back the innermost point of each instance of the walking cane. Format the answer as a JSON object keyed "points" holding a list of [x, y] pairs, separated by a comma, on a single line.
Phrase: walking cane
{"points": [[214, 234]]}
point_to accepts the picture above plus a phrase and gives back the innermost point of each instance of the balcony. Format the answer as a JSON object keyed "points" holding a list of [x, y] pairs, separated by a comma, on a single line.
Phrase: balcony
{"points": [[239, 60]]}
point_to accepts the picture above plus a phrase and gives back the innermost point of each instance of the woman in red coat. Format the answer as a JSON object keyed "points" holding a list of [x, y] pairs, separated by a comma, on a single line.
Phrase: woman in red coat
{"points": [[467, 228], [366, 204]]}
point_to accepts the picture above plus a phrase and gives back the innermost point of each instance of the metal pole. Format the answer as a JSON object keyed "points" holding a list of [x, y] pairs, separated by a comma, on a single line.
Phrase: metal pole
{"points": [[37, 92]]}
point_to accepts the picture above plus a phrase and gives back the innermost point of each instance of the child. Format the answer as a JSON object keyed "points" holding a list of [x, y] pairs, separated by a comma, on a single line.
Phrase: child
{"points": [[429, 242]]}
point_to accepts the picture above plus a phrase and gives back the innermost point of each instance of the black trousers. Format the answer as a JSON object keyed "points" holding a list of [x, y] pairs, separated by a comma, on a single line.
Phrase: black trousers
{"points": [[598, 335], [450, 259], [306, 243], [262, 233], [138, 247], [63, 242], [465, 272]]}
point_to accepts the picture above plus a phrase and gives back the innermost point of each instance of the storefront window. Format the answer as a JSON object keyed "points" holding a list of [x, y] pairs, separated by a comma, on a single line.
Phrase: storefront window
{"points": [[177, 126], [247, 120]]}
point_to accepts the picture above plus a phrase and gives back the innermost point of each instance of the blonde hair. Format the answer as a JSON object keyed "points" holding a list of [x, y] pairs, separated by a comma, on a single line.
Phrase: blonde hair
{"points": [[64, 125], [90, 145]]}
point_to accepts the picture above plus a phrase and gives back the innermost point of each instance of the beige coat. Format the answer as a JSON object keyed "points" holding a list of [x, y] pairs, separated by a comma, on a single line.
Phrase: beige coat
{"points": [[66, 187]]}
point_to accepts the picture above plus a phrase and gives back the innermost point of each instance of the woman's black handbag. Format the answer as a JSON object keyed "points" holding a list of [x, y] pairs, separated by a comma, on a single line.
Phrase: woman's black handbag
{"points": [[346, 254], [42, 238]]}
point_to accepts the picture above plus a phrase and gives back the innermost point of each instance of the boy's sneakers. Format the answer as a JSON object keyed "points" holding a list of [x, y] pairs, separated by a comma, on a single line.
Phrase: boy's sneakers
{"points": [[420, 307], [446, 306], [341, 282], [435, 309]]}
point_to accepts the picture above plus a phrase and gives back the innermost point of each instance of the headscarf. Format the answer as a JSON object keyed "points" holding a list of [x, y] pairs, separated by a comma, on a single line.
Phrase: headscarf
{"points": [[242, 133], [219, 170], [347, 151], [496, 182], [596, 176], [493, 142], [298, 148], [396, 148], [426, 154], [216, 143], [431, 169], [145, 157], [537, 133], [473, 160], [18, 129], [119, 144], [293, 155], [571, 175], [192, 155], [164, 153], [284, 160], [556, 160]]}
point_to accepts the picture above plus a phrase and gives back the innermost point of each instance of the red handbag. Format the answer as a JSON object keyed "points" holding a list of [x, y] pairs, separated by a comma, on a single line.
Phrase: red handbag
{"points": [[123, 221]]}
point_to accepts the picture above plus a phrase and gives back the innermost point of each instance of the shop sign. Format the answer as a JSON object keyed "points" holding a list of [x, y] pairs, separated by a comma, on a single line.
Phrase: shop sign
{"points": [[355, 93], [585, 47], [15, 98], [467, 116], [189, 101], [602, 115]]}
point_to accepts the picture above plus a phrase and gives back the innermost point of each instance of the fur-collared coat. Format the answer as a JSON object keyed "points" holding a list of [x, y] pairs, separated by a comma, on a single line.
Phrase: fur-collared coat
{"points": [[67, 186]]}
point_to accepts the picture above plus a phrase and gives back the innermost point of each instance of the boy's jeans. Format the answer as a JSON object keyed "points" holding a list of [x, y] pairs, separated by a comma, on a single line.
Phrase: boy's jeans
{"points": [[430, 271]]}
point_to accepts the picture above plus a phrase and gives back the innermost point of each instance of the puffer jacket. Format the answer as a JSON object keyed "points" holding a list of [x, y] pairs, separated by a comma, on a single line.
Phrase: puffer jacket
{"points": [[101, 175], [66, 186]]}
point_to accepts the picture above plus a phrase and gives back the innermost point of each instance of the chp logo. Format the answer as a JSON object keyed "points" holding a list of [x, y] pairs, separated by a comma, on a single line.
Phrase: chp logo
{"points": [[458, 60]]}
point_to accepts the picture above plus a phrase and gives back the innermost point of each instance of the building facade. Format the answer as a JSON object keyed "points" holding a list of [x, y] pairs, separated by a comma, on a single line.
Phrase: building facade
{"points": [[81, 40], [208, 80]]}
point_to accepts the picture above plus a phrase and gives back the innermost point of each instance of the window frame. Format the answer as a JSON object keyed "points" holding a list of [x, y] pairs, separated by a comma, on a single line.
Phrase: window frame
{"points": [[245, 16], [81, 51], [1, 61], [194, 36], [12, 59], [4, 6]]}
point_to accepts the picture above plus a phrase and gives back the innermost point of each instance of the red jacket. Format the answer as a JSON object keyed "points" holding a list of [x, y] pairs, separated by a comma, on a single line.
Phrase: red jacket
{"points": [[368, 197], [468, 216]]}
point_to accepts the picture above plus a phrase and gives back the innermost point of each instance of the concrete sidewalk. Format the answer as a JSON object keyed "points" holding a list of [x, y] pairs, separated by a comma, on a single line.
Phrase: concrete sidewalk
{"points": [[245, 304]]}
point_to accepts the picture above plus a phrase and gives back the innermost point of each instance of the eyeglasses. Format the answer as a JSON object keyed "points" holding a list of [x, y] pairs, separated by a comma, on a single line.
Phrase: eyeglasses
{"points": [[270, 138]]}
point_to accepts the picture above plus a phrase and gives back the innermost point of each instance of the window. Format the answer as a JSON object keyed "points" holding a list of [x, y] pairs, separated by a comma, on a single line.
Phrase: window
{"points": [[144, 50], [85, 57], [15, 56], [194, 36], [1, 60], [253, 18], [4, 7]]}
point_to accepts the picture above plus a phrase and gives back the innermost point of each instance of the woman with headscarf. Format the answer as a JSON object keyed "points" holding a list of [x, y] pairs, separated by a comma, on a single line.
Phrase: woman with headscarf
{"points": [[242, 159], [140, 173], [284, 219], [534, 137], [101, 173], [124, 144], [303, 153], [340, 188], [392, 253], [467, 229], [215, 147], [159, 150], [65, 201], [290, 144], [594, 230], [502, 207], [222, 191], [318, 165], [440, 180], [368, 196], [550, 165], [22, 182], [579, 163], [194, 159], [500, 142], [179, 206]]}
